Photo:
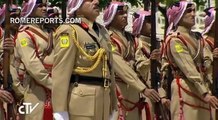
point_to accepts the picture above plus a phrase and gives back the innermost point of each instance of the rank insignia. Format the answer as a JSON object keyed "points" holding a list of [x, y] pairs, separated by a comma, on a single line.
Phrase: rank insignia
{"points": [[89, 46], [64, 41]]}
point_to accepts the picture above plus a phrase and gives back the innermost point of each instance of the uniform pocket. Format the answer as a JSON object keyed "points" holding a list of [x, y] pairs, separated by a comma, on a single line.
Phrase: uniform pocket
{"points": [[82, 101]]}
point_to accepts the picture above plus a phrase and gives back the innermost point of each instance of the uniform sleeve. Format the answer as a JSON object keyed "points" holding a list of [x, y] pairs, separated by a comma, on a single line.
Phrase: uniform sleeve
{"points": [[34, 66], [64, 58], [208, 58], [142, 63], [184, 61], [17, 87], [126, 73]]}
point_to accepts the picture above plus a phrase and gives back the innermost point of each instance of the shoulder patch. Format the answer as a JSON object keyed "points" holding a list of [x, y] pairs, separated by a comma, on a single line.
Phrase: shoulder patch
{"points": [[113, 47], [179, 48], [23, 42], [64, 41]]}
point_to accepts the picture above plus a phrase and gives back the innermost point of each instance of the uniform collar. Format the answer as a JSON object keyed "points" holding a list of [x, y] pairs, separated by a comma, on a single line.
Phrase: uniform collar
{"points": [[183, 29], [88, 22]]}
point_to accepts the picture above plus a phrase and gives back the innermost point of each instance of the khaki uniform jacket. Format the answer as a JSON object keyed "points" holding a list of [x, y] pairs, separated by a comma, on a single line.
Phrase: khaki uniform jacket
{"points": [[72, 46], [125, 72], [187, 58], [36, 74]]}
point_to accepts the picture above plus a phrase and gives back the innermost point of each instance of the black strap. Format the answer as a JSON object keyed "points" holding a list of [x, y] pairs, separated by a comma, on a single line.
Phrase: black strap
{"points": [[87, 80]]}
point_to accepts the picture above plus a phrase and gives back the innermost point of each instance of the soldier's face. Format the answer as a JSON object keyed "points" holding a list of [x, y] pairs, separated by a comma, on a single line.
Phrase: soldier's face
{"points": [[89, 9], [39, 10], [120, 19], [146, 28], [188, 19]]}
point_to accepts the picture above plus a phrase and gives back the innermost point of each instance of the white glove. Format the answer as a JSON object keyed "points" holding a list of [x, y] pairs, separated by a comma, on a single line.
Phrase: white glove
{"points": [[114, 115], [61, 115]]}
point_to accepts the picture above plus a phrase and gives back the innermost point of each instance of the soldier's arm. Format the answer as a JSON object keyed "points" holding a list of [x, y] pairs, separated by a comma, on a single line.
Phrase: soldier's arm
{"points": [[208, 58], [184, 61], [17, 87], [142, 63], [64, 58], [34, 66], [126, 73]]}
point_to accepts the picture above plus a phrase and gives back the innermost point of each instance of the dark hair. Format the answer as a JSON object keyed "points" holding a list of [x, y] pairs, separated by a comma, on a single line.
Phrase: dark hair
{"points": [[189, 5]]}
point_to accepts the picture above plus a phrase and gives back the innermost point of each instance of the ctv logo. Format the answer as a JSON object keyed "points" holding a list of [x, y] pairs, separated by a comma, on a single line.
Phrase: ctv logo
{"points": [[27, 108]]}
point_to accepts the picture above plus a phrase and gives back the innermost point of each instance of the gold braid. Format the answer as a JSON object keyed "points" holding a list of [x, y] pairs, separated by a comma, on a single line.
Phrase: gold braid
{"points": [[101, 53]]}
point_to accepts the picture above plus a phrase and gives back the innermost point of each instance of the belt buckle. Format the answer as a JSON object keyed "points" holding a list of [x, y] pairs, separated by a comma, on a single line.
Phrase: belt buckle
{"points": [[106, 83]]}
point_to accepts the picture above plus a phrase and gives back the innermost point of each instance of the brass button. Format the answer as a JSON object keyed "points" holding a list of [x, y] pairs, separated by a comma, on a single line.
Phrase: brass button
{"points": [[81, 93]]}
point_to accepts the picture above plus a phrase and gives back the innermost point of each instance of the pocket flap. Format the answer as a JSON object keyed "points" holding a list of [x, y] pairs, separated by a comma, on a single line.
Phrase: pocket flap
{"points": [[84, 91]]}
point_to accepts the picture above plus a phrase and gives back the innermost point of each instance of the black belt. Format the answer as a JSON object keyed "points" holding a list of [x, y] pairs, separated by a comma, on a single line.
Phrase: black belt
{"points": [[87, 80]]}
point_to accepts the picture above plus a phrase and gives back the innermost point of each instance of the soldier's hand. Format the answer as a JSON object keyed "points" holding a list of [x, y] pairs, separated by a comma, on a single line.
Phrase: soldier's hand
{"points": [[5, 96], [8, 44], [152, 94], [155, 55], [166, 102], [212, 100], [215, 53]]}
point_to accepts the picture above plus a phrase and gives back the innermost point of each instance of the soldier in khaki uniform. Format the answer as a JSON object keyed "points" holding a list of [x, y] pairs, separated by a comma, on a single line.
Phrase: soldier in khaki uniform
{"points": [[208, 34], [82, 66], [142, 31], [190, 99], [124, 46], [32, 64]]}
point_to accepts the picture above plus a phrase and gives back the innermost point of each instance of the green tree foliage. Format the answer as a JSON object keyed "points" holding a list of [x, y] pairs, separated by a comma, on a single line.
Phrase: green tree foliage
{"points": [[170, 2], [216, 3]]}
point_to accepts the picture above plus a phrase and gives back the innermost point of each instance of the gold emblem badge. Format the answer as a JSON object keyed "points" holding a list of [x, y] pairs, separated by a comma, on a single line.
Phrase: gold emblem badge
{"points": [[179, 48], [23, 42], [64, 41]]}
